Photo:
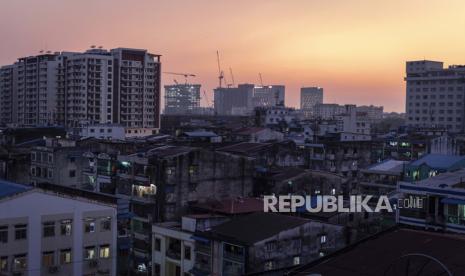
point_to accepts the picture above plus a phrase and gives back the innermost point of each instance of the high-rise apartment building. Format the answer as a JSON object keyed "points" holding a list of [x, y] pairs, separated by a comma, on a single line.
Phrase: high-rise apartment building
{"points": [[435, 95], [182, 98], [6, 94], [233, 100], [73, 88], [136, 88], [85, 94], [269, 95], [309, 97], [242, 100]]}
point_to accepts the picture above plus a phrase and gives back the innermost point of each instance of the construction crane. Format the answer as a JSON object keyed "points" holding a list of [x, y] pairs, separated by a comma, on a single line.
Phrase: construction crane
{"points": [[232, 76], [220, 72], [261, 80], [186, 75], [206, 98]]}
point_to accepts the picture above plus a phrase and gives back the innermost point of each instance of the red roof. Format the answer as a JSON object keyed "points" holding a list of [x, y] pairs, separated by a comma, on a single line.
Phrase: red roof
{"points": [[233, 206]]}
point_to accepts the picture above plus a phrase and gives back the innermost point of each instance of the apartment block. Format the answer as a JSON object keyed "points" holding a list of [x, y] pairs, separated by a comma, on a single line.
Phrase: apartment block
{"points": [[137, 88], [309, 97], [269, 95], [55, 234], [72, 89], [435, 95], [6, 94]]}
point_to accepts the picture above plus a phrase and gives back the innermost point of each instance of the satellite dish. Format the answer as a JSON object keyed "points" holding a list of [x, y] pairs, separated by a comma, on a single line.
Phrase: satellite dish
{"points": [[416, 264]]}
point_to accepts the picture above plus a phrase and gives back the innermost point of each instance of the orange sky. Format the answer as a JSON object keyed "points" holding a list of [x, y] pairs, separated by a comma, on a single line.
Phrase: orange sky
{"points": [[354, 49]]}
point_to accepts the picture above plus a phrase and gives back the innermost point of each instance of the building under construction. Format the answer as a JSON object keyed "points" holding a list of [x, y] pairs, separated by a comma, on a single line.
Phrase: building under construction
{"points": [[182, 98]]}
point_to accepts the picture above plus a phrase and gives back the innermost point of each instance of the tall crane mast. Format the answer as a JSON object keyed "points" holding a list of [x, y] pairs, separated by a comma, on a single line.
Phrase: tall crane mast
{"points": [[220, 72], [232, 76], [261, 80]]}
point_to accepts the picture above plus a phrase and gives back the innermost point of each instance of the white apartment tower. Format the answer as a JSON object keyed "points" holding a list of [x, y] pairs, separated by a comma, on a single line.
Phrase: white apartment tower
{"points": [[73, 88], [137, 88], [36, 85], [435, 95], [85, 91]]}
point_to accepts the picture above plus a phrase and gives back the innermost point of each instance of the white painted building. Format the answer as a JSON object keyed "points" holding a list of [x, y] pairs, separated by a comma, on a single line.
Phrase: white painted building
{"points": [[103, 131], [45, 233], [435, 95]]}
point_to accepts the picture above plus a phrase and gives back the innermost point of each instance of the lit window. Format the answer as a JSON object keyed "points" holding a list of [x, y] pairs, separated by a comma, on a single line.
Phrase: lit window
{"points": [[89, 253], [66, 227], [89, 226], [322, 239], [4, 264], [104, 251], [65, 256], [20, 262]]}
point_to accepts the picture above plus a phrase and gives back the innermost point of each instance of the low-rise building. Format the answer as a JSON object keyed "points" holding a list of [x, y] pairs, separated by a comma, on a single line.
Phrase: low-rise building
{"points": [[431, 165], [46, 233], [263, 242]]}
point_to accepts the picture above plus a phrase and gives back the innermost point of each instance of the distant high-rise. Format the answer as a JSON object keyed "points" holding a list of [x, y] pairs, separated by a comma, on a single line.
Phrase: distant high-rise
{"points": [[435, 95], [182, 98], [233, 100], [268, 95], [244, 98], [75, 88], [309, 97]]}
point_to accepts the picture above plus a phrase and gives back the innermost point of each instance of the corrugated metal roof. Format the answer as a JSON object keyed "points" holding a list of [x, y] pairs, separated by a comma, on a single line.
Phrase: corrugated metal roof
{"points": [[8, 188], [438, 160]]}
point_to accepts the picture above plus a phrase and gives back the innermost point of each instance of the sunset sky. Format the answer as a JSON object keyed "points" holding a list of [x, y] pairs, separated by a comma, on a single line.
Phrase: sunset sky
{"points": [[355, 50]]}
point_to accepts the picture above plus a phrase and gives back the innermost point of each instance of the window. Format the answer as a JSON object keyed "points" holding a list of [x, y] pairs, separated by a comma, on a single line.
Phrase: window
{"points": [[296, 260], [269, 265], [20, 232], [157, 244], [65, 227], [65, 256], [3, 234], [104, 251], [48, 258], [89, 253], [20, 262], [72, 173], [50, 158], [105, 224], [49, 229], [187, 252], [89, 226], [322, 239], [33, 156], [4, 264], [50, 173]]}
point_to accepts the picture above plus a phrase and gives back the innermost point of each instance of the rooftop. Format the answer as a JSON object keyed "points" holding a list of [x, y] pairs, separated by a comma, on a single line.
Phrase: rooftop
{"points": [[244, 148], [374, 256], [387, 166], [440, 161], [8, 188], [259, 226], [232, 206]]}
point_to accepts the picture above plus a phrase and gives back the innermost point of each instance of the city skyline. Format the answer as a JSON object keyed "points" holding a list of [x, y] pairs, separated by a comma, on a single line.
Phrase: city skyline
{"points": [[333, 45]]}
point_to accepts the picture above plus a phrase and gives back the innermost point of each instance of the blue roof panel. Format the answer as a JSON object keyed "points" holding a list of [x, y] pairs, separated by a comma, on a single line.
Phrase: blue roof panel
{"points": [[8, 188], [438, 160]]}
